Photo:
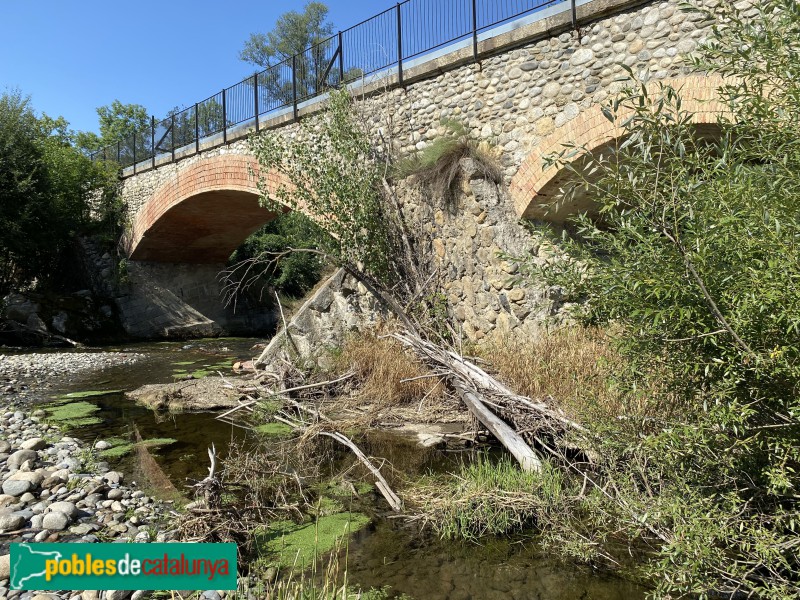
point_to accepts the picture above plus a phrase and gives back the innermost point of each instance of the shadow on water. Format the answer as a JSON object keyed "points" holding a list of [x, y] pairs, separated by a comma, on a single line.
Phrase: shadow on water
{"points": [[427, 568], [386, 553]]}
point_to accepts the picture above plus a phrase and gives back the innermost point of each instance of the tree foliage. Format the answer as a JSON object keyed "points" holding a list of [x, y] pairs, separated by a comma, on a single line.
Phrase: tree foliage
{"points": [[331, 173], [49, 191], [694, 258], [297, 272], [293, 33]]}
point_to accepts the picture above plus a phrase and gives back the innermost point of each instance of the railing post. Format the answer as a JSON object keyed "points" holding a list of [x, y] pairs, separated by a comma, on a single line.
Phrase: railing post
{"points": [[172, 129], [255, 97], [196, 130], [294, 86], [475, 29], [341, 60], [224, 119], [134, 152], [153, 139], [574, 15], [399, 47]]}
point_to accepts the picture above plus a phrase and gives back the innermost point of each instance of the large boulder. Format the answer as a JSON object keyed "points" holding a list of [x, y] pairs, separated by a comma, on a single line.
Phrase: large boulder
{"points": [[209, 393], [16, 460]]}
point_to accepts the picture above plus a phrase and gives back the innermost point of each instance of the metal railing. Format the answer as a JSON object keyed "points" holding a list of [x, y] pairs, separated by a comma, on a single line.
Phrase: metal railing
{"points": [[385, 41]]}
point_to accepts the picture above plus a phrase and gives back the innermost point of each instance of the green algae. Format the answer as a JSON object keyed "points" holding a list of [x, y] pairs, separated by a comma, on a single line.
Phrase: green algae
{"points": [[275, 429], [68, 415], [290, 544], [88, 394], [121, 447], [116, 451]]}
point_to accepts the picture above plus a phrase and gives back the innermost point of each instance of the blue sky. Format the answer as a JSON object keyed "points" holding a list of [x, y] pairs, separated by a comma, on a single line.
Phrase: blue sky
{"points": [[72, 56]]}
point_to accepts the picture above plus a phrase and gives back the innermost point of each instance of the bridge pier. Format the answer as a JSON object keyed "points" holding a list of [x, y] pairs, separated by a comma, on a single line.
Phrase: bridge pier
{"points": [[178, 300]]}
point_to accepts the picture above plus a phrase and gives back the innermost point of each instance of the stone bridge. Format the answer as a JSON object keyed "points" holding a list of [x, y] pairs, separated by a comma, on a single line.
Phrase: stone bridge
{"points": [[538, 83]]}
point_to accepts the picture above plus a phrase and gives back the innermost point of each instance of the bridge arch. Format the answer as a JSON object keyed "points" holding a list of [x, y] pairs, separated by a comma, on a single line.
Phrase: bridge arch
{"points": [[202, 213], [534, 187]]}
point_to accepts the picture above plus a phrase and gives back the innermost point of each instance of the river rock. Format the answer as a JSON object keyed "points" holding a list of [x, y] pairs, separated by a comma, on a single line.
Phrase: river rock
{"points": [[68, 508], [16, 487], [34, 444], [115, 494], [5, 447], [113, 477], [35, 477], [118, 594], [102, 445], [204, 394], [7, 499], [11, 522], [55, 521], [5, 566], [19, 457]]}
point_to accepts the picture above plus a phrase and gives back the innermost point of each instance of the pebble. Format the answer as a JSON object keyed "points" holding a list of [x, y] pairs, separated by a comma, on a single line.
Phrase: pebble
{"points": [[45, 497]]}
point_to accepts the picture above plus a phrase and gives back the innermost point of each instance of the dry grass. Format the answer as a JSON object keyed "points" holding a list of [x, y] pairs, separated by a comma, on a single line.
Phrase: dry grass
{"points": [[388, 375], [570, 364]]}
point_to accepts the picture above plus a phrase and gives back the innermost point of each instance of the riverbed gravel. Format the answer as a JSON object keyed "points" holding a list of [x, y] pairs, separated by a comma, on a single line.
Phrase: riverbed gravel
{"points": [[19, 371], [55, 488]]}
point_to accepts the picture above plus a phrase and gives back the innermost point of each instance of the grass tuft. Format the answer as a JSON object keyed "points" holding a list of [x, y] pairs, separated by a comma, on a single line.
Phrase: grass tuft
{"points": [[489, 498], [438, 166]]}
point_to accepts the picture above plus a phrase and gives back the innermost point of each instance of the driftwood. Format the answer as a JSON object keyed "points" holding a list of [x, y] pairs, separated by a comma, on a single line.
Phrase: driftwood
{"points": [[479, 390], [249, 404], [500, 429], [210, 487], [380, 482]]}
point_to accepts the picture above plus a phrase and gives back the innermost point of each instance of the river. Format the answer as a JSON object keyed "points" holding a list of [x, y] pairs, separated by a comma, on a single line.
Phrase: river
{"points": [[388, 552]]}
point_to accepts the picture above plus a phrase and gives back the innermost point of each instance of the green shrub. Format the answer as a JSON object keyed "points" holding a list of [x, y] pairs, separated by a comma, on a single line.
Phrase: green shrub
{"points": [[294, 274], [694, 259]]}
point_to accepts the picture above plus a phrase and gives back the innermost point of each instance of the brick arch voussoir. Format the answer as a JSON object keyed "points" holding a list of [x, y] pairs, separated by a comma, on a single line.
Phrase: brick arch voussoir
{"points": [[227, 172], [591, 129]]}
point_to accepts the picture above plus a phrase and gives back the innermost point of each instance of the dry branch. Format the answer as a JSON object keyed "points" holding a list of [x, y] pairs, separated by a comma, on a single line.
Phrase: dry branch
{"points": [[479, 391]]}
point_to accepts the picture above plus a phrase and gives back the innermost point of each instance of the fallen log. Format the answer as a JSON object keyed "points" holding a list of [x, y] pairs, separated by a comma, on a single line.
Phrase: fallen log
{"points": [[527, 458]]}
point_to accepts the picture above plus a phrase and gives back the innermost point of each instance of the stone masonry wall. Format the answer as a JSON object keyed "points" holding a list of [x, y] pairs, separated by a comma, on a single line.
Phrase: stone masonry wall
{"points": [[511, 99]]}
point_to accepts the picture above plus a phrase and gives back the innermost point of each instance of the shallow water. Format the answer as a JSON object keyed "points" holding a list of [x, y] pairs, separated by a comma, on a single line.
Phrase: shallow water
{"points": [[386, 553], [430, 569], [186, 458]]}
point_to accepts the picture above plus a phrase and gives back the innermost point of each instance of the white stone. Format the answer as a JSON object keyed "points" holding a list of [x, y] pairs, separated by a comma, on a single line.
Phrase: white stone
{"points": [[55, 521], [581, 56]]}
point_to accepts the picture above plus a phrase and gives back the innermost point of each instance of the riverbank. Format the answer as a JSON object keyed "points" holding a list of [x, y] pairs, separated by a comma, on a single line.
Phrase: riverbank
{"points": [[57, 488]]}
